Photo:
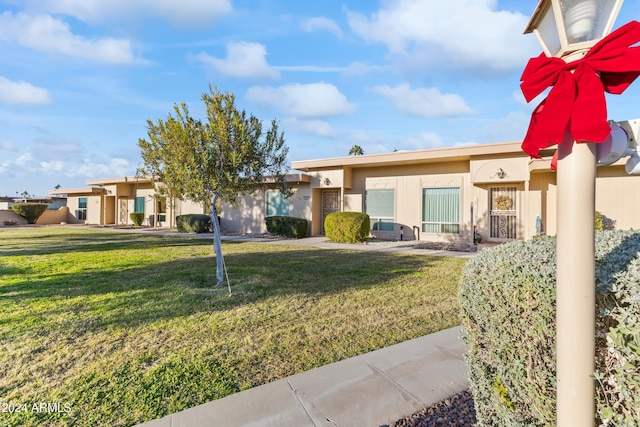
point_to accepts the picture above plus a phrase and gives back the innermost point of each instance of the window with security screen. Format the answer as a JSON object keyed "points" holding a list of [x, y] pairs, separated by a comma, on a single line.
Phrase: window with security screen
{"points": [[441, 210]]}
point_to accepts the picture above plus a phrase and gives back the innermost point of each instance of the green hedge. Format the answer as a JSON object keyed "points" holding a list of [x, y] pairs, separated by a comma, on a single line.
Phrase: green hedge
{"points": [[29, 211], [193, 223], [137, 218], [507, 298], [287, 226], [347, 227]]}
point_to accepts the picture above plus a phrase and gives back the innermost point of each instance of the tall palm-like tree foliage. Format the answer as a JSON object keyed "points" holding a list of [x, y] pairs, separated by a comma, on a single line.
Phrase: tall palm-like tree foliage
{"points": [[356, 150]]}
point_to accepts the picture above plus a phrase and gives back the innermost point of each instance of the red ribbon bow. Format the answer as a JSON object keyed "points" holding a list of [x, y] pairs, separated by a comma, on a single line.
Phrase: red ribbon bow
{"points": [[577, 102]]}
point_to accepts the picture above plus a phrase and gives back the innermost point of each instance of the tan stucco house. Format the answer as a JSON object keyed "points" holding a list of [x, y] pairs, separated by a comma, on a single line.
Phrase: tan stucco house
{"points": [[441, 194], [109, 201], [430, 195]]}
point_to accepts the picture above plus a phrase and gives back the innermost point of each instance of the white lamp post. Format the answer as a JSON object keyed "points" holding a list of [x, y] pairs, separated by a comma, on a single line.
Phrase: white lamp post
{"points": [[568, 29]]}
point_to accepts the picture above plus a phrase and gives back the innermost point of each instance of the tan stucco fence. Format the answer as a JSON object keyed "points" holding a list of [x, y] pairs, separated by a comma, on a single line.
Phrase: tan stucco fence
{"points": [[50, 216]]}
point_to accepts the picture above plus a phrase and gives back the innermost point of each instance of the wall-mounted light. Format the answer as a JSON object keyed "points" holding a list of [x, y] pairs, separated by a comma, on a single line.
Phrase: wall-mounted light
{"points": [[327, 181], [500, 173]]}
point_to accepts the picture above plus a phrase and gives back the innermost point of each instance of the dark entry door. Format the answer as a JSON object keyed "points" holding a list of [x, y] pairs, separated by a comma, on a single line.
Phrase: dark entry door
{"points": [[330, 204]]}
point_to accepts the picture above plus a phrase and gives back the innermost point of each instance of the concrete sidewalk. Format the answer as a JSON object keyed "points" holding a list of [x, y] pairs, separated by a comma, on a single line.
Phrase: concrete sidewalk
{"points": [[409, 247], [372, 389]]}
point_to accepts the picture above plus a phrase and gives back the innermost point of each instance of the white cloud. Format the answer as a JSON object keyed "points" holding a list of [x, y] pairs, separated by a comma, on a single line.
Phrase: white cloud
{"points": [[7, 146], [303, 100], [422, 140], [98, 169], [53, 166], [359, 69], [310, 68], [244, 60], [320, 23], [22, 93], [512, 127], [313, 127], [24, 160], [179, 12], [46, 34], [465, 33], [424, 102]]}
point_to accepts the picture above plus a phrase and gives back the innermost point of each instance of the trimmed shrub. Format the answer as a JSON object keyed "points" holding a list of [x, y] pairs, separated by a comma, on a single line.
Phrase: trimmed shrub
{"points": [[599, 223], [137, 218], [347, 227], [287, 226], [193, 223], [29, 211], [507, 298]]}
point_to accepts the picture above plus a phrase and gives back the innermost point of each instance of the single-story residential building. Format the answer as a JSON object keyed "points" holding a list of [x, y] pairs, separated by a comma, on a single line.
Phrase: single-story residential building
{"points": [[110, 201], [56, 212], [439, 195], [53, 203], [442, 194]]}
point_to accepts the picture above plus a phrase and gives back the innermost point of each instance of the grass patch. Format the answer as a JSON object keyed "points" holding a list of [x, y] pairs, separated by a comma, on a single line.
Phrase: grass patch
{"points": [[118, 329]]}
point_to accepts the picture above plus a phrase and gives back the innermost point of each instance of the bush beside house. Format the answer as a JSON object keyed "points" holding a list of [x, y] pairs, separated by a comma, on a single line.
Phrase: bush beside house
{"points": [[30, 211], [137, 218], [194, 223], [347, 227], [507, 298], [287, 226]]}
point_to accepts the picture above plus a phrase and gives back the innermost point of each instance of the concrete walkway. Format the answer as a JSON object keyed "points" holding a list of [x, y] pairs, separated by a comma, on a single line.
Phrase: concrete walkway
{"points": [[409, 247], [372, 389]]}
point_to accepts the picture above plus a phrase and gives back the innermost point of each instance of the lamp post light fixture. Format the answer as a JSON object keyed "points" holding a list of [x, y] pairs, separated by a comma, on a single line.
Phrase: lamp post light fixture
{"points": [[567, 29], [566, 26]]}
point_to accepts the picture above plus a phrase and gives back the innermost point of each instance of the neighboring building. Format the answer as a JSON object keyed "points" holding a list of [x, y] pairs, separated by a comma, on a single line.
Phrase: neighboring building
{"points": [[442, 194], [56, 212], [53, 203], [109, 201]]}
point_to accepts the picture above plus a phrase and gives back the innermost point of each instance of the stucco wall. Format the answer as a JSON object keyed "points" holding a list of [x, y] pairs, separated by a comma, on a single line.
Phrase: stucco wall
{"points": [[407, 183], [94, 208], [51, 216], [618, 197], [249, 214], [9, 215]]}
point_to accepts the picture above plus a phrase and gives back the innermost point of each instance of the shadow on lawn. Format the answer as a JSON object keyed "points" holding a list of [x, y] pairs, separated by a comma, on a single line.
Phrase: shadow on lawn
{"points": [[90, 241], [183, 287]]}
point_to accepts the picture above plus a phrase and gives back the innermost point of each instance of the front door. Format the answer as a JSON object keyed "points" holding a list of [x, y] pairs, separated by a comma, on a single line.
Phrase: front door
{"points": [[123, 211], [503, 213], [330, 204]]}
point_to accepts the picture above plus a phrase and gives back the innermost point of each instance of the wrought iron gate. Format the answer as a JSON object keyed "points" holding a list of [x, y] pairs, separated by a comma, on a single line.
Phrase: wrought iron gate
{"points": [[503, 213], [330, 203]]}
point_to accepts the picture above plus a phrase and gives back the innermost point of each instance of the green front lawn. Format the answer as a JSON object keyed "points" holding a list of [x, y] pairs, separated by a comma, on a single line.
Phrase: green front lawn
{"points": [[117, 329]]}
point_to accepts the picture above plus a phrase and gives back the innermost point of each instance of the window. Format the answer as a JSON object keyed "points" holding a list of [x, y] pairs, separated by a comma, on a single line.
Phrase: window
{"points": [[277, 204], [81, 213], [162, 210], [138, 205], [379, 205], [441, 210]]}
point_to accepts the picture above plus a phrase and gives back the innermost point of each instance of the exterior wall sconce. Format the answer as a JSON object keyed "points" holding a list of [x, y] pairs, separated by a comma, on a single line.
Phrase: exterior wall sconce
{"points": [[327, 181], [501, 173]]}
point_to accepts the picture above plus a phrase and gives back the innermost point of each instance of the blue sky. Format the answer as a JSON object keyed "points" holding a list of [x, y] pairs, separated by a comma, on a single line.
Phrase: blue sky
{"points": [[79, 78]]}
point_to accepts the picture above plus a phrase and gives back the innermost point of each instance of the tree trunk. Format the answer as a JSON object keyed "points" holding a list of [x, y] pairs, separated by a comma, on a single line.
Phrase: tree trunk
{"points": [[217, 248]]}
